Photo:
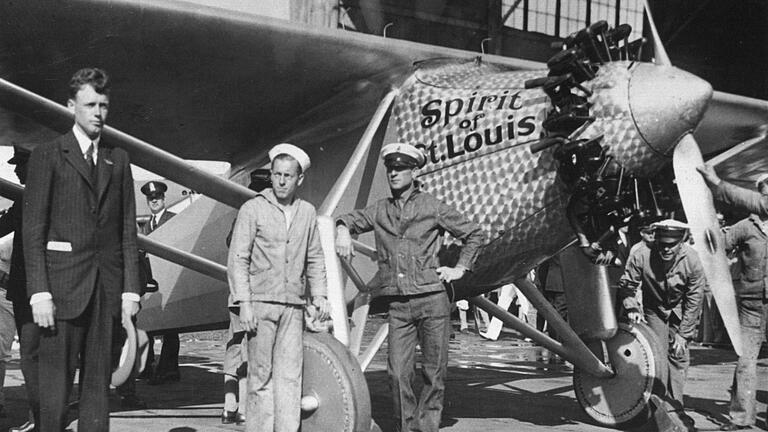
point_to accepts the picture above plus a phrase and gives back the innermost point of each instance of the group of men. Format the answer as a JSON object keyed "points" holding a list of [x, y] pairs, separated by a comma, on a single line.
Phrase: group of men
{"points": [[82, 276]]}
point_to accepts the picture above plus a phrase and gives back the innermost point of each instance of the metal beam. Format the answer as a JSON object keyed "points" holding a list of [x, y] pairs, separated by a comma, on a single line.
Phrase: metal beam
{"points": [[59, 118]]}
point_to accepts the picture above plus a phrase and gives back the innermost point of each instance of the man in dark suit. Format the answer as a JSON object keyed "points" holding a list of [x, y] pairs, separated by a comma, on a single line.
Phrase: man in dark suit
{"points": [[26, 328], [80, 252], [168, 365]]}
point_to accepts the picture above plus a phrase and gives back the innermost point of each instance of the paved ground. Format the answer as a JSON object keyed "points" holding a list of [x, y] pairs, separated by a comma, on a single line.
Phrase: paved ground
{"points": [[507, 385]]}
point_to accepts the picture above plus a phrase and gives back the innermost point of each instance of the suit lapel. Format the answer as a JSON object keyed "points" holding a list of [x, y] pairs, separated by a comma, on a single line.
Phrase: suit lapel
{"points": [[74, 156], [104, 170]]}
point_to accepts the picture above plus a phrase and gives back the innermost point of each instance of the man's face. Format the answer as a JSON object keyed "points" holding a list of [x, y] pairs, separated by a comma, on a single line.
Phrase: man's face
{"points": [[286, 178], [668, 249], [647, 236], [400, 177], [90, 109], [156, 203]]}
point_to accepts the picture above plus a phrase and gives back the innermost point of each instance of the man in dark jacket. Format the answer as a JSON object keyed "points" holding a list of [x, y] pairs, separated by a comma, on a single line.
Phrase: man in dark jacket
{"points": [[80, 255], [750, 239], [671, 278], [167, 368], [409, 228]]}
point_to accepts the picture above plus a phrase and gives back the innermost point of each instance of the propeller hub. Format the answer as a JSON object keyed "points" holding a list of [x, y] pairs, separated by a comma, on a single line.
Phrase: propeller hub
{"points": [[666, 103]]}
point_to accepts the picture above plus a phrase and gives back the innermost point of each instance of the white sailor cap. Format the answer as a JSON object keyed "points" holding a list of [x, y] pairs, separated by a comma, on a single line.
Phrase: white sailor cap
{"points": [[670, 229], [404, 155], [291, 150], [762, 178]]}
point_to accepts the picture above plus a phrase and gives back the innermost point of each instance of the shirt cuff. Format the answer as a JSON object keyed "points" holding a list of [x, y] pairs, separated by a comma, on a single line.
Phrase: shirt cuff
{"points": [[39, 297], [131, 296]]}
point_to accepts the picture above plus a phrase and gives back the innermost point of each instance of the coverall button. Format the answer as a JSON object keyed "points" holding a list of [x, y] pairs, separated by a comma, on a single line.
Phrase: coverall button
{"points": [[400, 275]]}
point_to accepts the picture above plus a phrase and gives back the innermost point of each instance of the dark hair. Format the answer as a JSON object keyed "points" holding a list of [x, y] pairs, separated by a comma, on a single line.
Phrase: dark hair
{"points": [[95, 77], [287, 157]]}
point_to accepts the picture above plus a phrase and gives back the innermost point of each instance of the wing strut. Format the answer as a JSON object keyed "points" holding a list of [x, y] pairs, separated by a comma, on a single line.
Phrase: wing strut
{"points": [[199, 264], [58, 118], [342, 183]]}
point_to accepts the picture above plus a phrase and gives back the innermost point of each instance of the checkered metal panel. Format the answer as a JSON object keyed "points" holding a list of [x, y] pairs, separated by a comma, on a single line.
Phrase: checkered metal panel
{"points": [[476, 123]]}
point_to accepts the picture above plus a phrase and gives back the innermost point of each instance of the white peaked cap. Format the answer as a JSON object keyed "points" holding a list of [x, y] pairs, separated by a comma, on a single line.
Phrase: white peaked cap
{"points": [[390, 152], [291, 150]]}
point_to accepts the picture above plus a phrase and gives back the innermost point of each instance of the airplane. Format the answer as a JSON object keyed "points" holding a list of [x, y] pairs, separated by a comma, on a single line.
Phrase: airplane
{"points": [[510, 142]]}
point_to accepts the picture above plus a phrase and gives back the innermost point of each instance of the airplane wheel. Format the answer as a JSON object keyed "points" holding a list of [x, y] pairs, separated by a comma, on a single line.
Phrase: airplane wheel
{"points": [[334, 391], [637, 360]]}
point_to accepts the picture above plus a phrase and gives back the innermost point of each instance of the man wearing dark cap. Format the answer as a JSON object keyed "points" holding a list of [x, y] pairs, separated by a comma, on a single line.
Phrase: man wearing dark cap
{"points": [[749, 238], [409, 227], [168, 365], [10, 222], [671, 278]]}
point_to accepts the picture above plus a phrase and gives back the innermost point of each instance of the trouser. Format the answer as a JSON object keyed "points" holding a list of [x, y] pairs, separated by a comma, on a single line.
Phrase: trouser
{"points": [[235, 364], [275, 358], [558, 301], [743, 392], [89, 337], [169, 354], [674, 374], [7, 331], [422, 319], [29, 343]]}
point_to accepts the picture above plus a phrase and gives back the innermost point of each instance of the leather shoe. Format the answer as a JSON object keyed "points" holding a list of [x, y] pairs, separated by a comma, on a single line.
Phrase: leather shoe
{"points": [[29, 426], [733, 426], [228, 417], [232, 417]]}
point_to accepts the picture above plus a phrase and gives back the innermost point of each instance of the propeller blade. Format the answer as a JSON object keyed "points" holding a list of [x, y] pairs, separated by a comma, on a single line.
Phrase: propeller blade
{"points": [[660, 54], [708, 239]]}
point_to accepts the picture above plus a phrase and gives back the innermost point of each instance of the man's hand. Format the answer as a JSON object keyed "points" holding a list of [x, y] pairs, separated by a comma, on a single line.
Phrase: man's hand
{"points": [[635, 316], [679, 345], [248, 316], [448, 274], [43, 313], [130, 308], [323, 307], [344, 247], [710, 176]]}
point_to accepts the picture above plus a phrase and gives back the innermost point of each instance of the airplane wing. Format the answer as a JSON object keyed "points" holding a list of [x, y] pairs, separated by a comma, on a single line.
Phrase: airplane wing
{"points": [[200, 82]]}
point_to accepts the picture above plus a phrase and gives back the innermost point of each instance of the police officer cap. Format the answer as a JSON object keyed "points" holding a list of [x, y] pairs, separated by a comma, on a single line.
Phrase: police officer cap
{"points": [[20, 155], [291, 150], [154, 189], [670, 230], [403, 155], [762, 178]]}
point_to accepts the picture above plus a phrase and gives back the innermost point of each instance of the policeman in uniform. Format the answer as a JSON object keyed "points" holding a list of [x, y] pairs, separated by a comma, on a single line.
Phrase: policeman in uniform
{"points": [[409, 228], [168, 366], [671, 278]]}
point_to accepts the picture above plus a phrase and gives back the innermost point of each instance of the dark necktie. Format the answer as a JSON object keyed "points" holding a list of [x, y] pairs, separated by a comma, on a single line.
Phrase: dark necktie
{"points": [[153, 223], [89, 158]]}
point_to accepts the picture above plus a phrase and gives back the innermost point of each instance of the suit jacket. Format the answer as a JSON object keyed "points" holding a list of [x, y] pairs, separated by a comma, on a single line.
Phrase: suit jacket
{"points": [[10, 222], [145, 229], [77, 227], [145, 268]]}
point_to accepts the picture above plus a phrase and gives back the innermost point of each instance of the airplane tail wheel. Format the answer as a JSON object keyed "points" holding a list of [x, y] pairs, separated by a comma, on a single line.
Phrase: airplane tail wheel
{"points": [[334, 391], [622, 399]]}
